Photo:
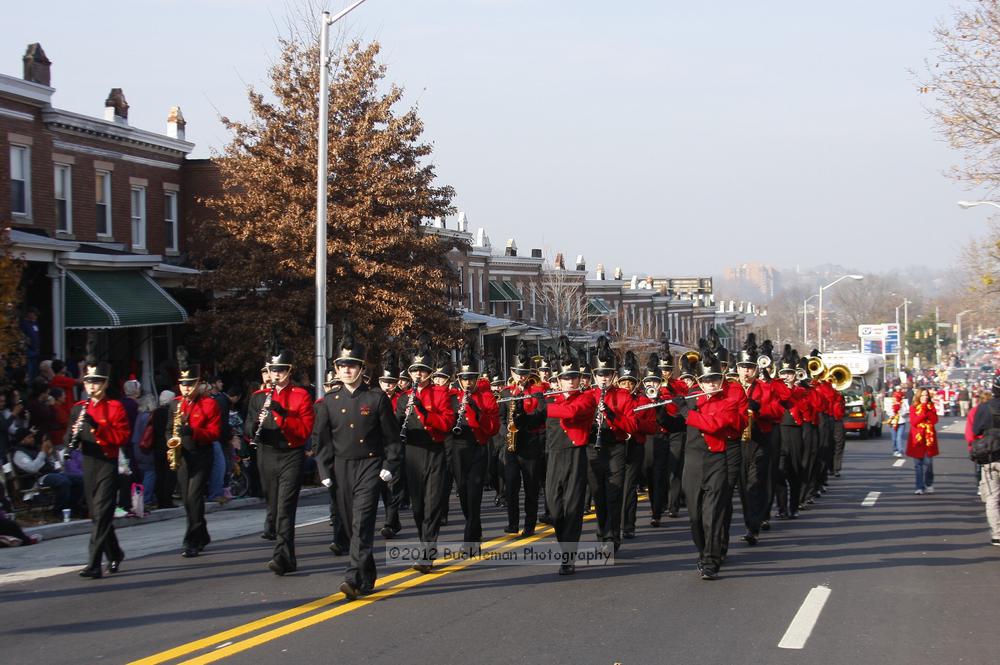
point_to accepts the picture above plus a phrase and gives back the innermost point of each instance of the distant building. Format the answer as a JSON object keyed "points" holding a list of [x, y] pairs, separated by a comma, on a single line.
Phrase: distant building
{"points": [[753, 280]]}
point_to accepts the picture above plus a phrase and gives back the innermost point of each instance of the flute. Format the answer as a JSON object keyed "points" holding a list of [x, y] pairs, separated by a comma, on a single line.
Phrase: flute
{"points": [[665, 402]]}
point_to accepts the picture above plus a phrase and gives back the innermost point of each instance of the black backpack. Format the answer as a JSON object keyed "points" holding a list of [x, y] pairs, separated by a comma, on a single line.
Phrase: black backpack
{"points": [[987, 449]]}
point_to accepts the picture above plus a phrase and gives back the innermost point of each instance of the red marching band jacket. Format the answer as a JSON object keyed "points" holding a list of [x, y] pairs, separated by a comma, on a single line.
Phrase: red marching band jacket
{"points": [[440, 417], [112, 430], [486, 423], [576, 413], [619, 415], [297, 423], [718, 420], [203, 418], [770, 412]]}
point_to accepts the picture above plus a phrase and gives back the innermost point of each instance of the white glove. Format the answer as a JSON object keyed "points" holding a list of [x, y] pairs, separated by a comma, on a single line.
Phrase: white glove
{"points": [[385, 475], [327, 482]]}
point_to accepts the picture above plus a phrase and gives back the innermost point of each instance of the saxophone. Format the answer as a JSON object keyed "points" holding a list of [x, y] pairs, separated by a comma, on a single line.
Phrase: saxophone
{"points": [[511, 436], [174, 442], [74, 439]]}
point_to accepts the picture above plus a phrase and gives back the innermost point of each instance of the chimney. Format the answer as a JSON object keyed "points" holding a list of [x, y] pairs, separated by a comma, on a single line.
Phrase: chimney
{"points": [[439, 223], [463, 223], [560, 263], [176, 123], [618, 273], [115, 107], [600, 271], [580, 263], [37, 68], [511, 249], [635, 282], [482, 240], [536, 253]]}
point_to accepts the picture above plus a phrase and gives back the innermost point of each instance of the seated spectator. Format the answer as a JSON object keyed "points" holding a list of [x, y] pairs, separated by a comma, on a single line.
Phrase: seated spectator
{"points": [[39, 407], [11, 534], [31, 458]]}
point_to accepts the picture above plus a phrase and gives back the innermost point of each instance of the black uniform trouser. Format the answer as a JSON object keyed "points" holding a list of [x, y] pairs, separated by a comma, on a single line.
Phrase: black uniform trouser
{"points": [[774, 448], [337, 519], [734, 467], [754, 480], [193, 471], [788, 480], [527, 466], [281, 475], [706, 487], [825, 453], [100, 483], [606, 480], [838, 445], [166, 480], [656, 455], [448, 485], [635, 458], [810, 462], [675, 471], [357, 502], [468, 469], [565, 484], [426, 475], [496, 464], [392, 498]]}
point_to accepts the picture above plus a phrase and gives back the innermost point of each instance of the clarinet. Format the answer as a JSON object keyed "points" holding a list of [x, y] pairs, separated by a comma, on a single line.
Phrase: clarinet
{"points": [[462, 408], [599, 418], [74, 439], [262, 416], [407, 413]]}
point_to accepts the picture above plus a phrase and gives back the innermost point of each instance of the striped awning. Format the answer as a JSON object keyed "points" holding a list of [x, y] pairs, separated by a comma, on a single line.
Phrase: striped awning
{"points": [[118, 299]]}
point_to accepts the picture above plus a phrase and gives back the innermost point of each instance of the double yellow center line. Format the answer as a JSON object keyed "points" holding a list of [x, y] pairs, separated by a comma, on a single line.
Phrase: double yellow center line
{"points": [[222, 644]]}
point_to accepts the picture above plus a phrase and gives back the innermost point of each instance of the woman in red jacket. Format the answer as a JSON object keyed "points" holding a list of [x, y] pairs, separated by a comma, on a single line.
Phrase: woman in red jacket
{"points": [[923, 442]]}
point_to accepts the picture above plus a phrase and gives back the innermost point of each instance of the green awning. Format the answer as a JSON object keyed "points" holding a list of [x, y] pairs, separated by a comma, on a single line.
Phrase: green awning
{"points": [[725, 332], [504, 292], [599, 307], [118, 299]]}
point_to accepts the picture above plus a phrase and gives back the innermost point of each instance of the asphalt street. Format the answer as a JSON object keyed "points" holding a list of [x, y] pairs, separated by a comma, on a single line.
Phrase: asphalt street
{"points": [[902, 579]]}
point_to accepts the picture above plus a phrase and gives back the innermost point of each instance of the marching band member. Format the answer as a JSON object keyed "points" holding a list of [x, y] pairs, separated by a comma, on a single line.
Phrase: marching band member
{"points": [[284, 420], [100, 427], [495, 459], [362, 452], [567, 418], [426, 417], [392, 491], [712, 422], [810, 437], [795, 405], [193, 425], [441, 377], [340, 544], [524, 464], [675, 387], [640, 425], [657, 451], [477, 420]]}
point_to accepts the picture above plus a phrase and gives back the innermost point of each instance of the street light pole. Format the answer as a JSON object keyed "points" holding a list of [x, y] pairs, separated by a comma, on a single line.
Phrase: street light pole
{"points": [[322, 184], [958, 318], [805, 319], [819, 315], [973, 204]]}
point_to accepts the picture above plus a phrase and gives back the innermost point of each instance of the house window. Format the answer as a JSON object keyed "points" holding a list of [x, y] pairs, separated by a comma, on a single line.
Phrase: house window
{"points": [[64, 198], [170, 220], [20, 180], [102, 197], [139, 217]]}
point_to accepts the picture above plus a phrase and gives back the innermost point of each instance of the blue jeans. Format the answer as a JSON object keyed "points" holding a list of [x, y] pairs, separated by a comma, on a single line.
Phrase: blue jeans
{"points": [[67, 488], [924, 468], [899, 437], [149, 485], [218, 475]]}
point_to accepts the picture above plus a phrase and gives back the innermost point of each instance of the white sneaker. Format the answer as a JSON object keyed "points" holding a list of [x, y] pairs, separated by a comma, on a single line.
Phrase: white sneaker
{"points": [[897, 454], [918, 491], [930, 489], [120, 512]]}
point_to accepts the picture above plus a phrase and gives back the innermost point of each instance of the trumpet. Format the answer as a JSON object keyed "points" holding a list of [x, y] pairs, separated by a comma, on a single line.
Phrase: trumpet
{"points": [[801, 375], [652, 391], [668, 401], [764, 362], [518, 398]]}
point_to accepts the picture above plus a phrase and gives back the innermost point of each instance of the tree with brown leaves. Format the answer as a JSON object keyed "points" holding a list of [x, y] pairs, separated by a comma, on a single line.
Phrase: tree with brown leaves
{"points": [[11, 296], [258, 251]]}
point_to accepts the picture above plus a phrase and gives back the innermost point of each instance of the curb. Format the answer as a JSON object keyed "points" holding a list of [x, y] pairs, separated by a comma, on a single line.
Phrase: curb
{"points": [[78, 527]]}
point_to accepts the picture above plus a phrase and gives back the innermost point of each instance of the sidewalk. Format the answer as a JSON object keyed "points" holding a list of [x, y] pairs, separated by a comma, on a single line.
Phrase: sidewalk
{"points": [[146, 536]]}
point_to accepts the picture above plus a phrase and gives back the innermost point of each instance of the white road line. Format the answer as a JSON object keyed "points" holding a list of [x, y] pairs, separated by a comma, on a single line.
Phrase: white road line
{"points": [[29, 575], [224, 644], [311, 522], [870, 499], [899, 462], [805, 619]]}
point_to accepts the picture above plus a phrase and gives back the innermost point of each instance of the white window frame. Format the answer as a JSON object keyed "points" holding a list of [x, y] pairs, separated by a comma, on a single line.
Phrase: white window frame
{"points": [[138, 221], [25, 151], [108, 230], [170, 201], [67, 187]]}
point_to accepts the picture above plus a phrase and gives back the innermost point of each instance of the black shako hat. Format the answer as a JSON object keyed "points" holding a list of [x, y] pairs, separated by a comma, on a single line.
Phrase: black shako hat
{"points": [[350, 350], [749, 353]]}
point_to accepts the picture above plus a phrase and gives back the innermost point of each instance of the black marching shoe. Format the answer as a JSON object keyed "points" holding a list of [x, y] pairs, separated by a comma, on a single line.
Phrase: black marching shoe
{"points": [[511, 529], [336, 549], [387, 533], [750, 538], [422, 568], [114, 566], [709, 574], [93, 573], [629, 535], [567, 568], [267, 535], [528, 531], [672, 514], [655, 522], [277, 567], [189, 552], [349, 591], [765, 525]]}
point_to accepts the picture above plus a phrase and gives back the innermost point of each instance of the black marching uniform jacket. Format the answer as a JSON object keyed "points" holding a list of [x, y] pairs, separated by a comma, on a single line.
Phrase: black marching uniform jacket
{"points": [[357, 426]]}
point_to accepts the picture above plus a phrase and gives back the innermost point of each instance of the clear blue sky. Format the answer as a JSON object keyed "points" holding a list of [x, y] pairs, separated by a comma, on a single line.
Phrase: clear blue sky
{"points": [[666, 137]]}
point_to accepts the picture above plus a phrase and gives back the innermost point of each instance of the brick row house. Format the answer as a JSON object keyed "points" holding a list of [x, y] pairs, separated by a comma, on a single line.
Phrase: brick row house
{"points": [[96, 208]]}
